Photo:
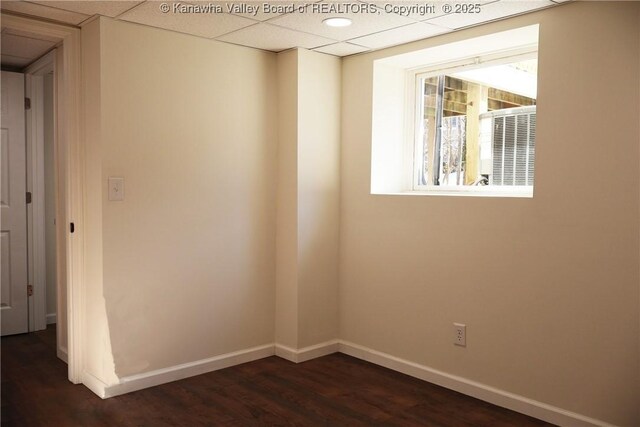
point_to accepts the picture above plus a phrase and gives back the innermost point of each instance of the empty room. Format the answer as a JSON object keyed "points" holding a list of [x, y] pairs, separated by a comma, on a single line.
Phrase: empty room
{"points": [[239, 213]]}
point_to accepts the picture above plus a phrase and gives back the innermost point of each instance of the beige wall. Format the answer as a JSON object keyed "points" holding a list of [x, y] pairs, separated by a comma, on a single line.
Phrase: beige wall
{"points": [[548, 287], [286, 316], [237, 216], [309, 85], [187, 258], [97, 351], [319, 86]]}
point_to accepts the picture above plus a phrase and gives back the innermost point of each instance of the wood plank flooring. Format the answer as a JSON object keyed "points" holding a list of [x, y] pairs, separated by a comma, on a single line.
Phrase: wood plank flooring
{"points": [[335, 390]]}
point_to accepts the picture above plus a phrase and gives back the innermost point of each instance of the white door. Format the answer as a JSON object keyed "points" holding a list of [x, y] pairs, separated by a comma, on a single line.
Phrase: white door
{"points": [[13, 207]]}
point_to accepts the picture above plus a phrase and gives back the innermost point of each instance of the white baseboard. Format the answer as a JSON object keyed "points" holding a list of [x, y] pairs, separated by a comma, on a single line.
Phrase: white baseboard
{"points": [[465, 386], [186, 370], [94, 384], [307, 353], [287, 353], [51, 318], [178, 372], [480, 391]]}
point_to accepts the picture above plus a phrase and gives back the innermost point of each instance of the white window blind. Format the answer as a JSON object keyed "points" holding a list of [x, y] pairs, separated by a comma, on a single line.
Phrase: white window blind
{"points": [[513, 135]]}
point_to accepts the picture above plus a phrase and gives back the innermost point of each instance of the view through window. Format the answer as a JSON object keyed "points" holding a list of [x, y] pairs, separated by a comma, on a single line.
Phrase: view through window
{"points": [[476, 126]]}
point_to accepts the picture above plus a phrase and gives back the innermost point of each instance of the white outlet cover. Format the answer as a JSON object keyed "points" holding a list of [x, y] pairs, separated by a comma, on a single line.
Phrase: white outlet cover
{"points": [[116, 189], [460, 334]]}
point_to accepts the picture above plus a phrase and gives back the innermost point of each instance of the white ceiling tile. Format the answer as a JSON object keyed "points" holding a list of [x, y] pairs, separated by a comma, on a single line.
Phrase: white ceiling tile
{"points": [[270, 37], [403, 8], [91, 7], [369, 19], [264, 10], [490, 12], [341, 49], [544, 2], [418, 11], [293, 23], [25, 47], [41, 11], [184, 18], [401, 35], [251, 10]]}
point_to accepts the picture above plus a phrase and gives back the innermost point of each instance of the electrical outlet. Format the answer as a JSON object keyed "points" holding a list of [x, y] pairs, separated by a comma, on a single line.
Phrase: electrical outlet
{"points": [[116, 188], [460, 334]]}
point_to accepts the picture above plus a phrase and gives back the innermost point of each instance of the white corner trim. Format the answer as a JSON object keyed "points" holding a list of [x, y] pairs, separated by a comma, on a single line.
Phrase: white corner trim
{"points": [[185, 370], [94, 384], [471, 388], [287, 353], [61, 352], [307, 353], [51, 318]]}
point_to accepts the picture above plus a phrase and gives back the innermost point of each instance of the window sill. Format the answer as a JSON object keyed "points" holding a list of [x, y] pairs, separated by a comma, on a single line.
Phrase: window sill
{"points": [[476, 192]]}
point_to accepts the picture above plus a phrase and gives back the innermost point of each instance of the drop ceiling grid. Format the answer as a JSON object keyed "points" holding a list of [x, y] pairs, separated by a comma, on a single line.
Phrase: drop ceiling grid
{"points": [[265, 17], [490, 12], [266, 36], [396, 36], [423, 15], [278, 32], [362, 23], [43, 11], [90, 8], [341, 49], [208, 25], [309, 23]]}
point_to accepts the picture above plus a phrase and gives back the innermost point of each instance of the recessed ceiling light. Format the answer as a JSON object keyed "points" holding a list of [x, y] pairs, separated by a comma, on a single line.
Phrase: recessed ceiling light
{"points": [[337, 22]]}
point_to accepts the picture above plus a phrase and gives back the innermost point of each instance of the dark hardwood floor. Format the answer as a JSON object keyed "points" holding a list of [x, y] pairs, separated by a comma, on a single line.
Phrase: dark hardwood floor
{"points": [[335, 390]]}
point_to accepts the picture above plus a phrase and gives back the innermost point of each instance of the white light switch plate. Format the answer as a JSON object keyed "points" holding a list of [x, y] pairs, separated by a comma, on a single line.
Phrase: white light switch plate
{"points": [[116, 188]]}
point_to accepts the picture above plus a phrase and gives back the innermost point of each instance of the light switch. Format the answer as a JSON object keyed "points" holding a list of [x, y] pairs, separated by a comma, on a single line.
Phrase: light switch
{"points": [[116, 188]]}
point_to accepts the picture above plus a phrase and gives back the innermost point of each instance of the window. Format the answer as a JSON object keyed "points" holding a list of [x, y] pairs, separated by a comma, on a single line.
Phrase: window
{"points": [[476, 125], [457, 118]]}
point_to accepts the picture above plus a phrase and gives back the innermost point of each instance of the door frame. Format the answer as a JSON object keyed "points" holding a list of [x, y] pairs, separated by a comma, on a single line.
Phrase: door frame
{"points": [[34, 90], [69, 159]]}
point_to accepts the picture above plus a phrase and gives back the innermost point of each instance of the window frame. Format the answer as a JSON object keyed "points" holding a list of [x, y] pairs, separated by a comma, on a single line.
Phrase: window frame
{"points": [[415, 112]]}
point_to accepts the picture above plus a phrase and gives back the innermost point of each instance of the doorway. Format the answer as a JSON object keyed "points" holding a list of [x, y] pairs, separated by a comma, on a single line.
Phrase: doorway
{"points": [[57, 73], [30, 283]]}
